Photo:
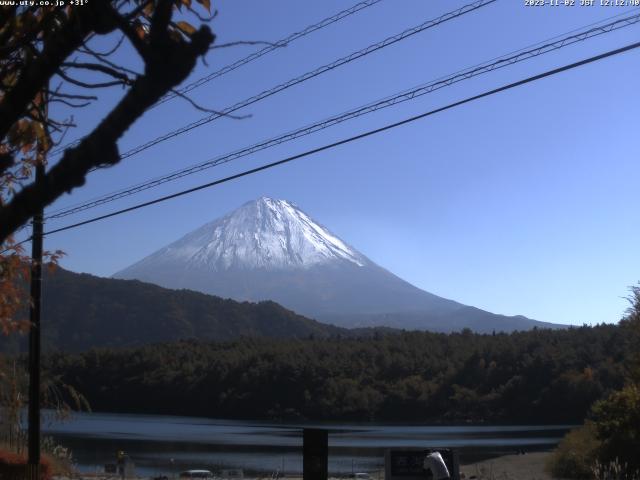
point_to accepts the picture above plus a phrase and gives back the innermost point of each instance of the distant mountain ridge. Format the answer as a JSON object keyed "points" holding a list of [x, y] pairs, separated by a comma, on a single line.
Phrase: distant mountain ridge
{"points": [[269, 249], [81, 311]]}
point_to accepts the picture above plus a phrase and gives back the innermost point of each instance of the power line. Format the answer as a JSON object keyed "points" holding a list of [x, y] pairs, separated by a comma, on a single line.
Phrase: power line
{"points": [[253, 56], [270, 48], [307, 76], [311, 74], [360, 136], [504, 61]]}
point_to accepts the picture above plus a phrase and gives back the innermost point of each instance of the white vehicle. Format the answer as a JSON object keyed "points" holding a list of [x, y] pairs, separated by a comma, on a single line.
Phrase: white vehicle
{"points": [[200, 474], [360, 476]]}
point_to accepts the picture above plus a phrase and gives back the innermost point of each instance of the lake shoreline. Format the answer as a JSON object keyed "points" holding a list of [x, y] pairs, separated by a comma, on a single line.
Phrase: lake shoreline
{"points": [[159, 445], [329, 424], [528, 466]]}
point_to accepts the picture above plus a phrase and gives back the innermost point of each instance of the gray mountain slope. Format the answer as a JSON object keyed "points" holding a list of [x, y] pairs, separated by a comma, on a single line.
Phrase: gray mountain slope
{"points": [[270, 250]]}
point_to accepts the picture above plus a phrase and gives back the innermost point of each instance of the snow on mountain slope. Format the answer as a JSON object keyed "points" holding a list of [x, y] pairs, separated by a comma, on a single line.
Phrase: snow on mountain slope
{"points": [[266, 233]]}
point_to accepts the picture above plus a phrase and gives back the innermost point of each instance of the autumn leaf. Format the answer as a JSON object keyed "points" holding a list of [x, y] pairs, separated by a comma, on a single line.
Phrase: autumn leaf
{"points": [[186, 27], [148, 9], [206, 4], [41, 136], [140, 30]]}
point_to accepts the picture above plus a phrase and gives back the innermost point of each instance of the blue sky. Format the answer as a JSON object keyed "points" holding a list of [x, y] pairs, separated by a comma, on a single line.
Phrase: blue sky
{"points": [[522, 203]]}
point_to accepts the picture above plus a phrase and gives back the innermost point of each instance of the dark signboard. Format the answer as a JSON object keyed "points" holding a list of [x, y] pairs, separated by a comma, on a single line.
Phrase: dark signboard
{"points": [[407, 463], [315, 459]]}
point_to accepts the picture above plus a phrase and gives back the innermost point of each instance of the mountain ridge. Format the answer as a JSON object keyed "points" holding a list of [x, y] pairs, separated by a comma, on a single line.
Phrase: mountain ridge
{"points": [[83, 311], [271, 250]]}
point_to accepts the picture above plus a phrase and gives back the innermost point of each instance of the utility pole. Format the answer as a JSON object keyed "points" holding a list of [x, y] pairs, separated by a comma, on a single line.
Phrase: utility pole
{"points": [[34, 339], [34, 314]]}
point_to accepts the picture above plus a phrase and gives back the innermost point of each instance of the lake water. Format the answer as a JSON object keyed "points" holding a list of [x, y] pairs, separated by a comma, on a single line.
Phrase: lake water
{"points": [[165, 444]]}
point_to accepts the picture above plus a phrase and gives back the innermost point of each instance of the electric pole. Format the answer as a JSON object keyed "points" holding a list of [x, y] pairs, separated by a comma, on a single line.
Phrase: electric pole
{"points": [[34, 339], [34, 311]]}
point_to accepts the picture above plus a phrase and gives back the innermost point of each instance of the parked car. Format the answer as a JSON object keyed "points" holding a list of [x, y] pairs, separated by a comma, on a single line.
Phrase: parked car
{"points": [[199, 474]]}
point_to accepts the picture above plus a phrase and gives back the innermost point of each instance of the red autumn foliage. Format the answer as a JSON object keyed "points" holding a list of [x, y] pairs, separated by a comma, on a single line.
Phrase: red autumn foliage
{"points": [[11, 465]]}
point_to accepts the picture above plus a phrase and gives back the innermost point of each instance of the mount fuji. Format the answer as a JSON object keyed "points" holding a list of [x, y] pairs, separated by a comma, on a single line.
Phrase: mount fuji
{"points": [[271, 250]]}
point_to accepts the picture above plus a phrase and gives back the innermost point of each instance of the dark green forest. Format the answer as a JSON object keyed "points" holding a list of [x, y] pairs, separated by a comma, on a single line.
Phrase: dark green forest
{"points": [[550, 376]]}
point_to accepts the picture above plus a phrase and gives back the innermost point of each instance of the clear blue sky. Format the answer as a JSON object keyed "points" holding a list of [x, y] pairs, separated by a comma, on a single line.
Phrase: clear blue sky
{"points": [[522, 203]]}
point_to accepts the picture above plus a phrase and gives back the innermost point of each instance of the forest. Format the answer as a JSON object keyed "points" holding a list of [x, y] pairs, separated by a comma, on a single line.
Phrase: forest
{"points": [[550, 376]]}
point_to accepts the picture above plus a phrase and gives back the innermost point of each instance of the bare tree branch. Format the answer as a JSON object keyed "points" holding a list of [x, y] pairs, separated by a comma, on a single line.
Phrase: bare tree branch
{"points": [[99, 68], [89, 85], [58, 45], [69, 124], [70, 104], [74, 96], [126, 28], [205, 109], [107, 62], [160, 21], [108, 53], [202, 18], [167, 63]]}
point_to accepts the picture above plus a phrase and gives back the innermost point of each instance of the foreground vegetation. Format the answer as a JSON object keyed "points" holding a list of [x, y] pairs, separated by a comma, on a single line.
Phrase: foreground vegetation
{"points": [[607, 445]]}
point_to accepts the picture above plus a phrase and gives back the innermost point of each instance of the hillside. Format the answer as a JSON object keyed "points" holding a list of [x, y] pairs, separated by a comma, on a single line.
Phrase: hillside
{"points": [[81, 311]]}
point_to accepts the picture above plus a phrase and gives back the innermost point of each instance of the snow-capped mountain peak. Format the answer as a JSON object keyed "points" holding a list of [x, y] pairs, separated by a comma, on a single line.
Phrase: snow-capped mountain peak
{"points": [[271, 250], [265, 233]]}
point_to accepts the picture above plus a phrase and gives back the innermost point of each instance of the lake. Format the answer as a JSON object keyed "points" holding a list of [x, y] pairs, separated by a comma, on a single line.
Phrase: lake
{"points": [[165, 444]]}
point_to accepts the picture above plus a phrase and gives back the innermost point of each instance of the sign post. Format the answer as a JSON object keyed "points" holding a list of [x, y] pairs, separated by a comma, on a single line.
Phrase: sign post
{"points": [[315, 456]]}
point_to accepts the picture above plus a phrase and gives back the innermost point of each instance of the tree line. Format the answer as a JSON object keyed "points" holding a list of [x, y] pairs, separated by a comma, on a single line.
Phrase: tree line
{"points": [[550, 376]]}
